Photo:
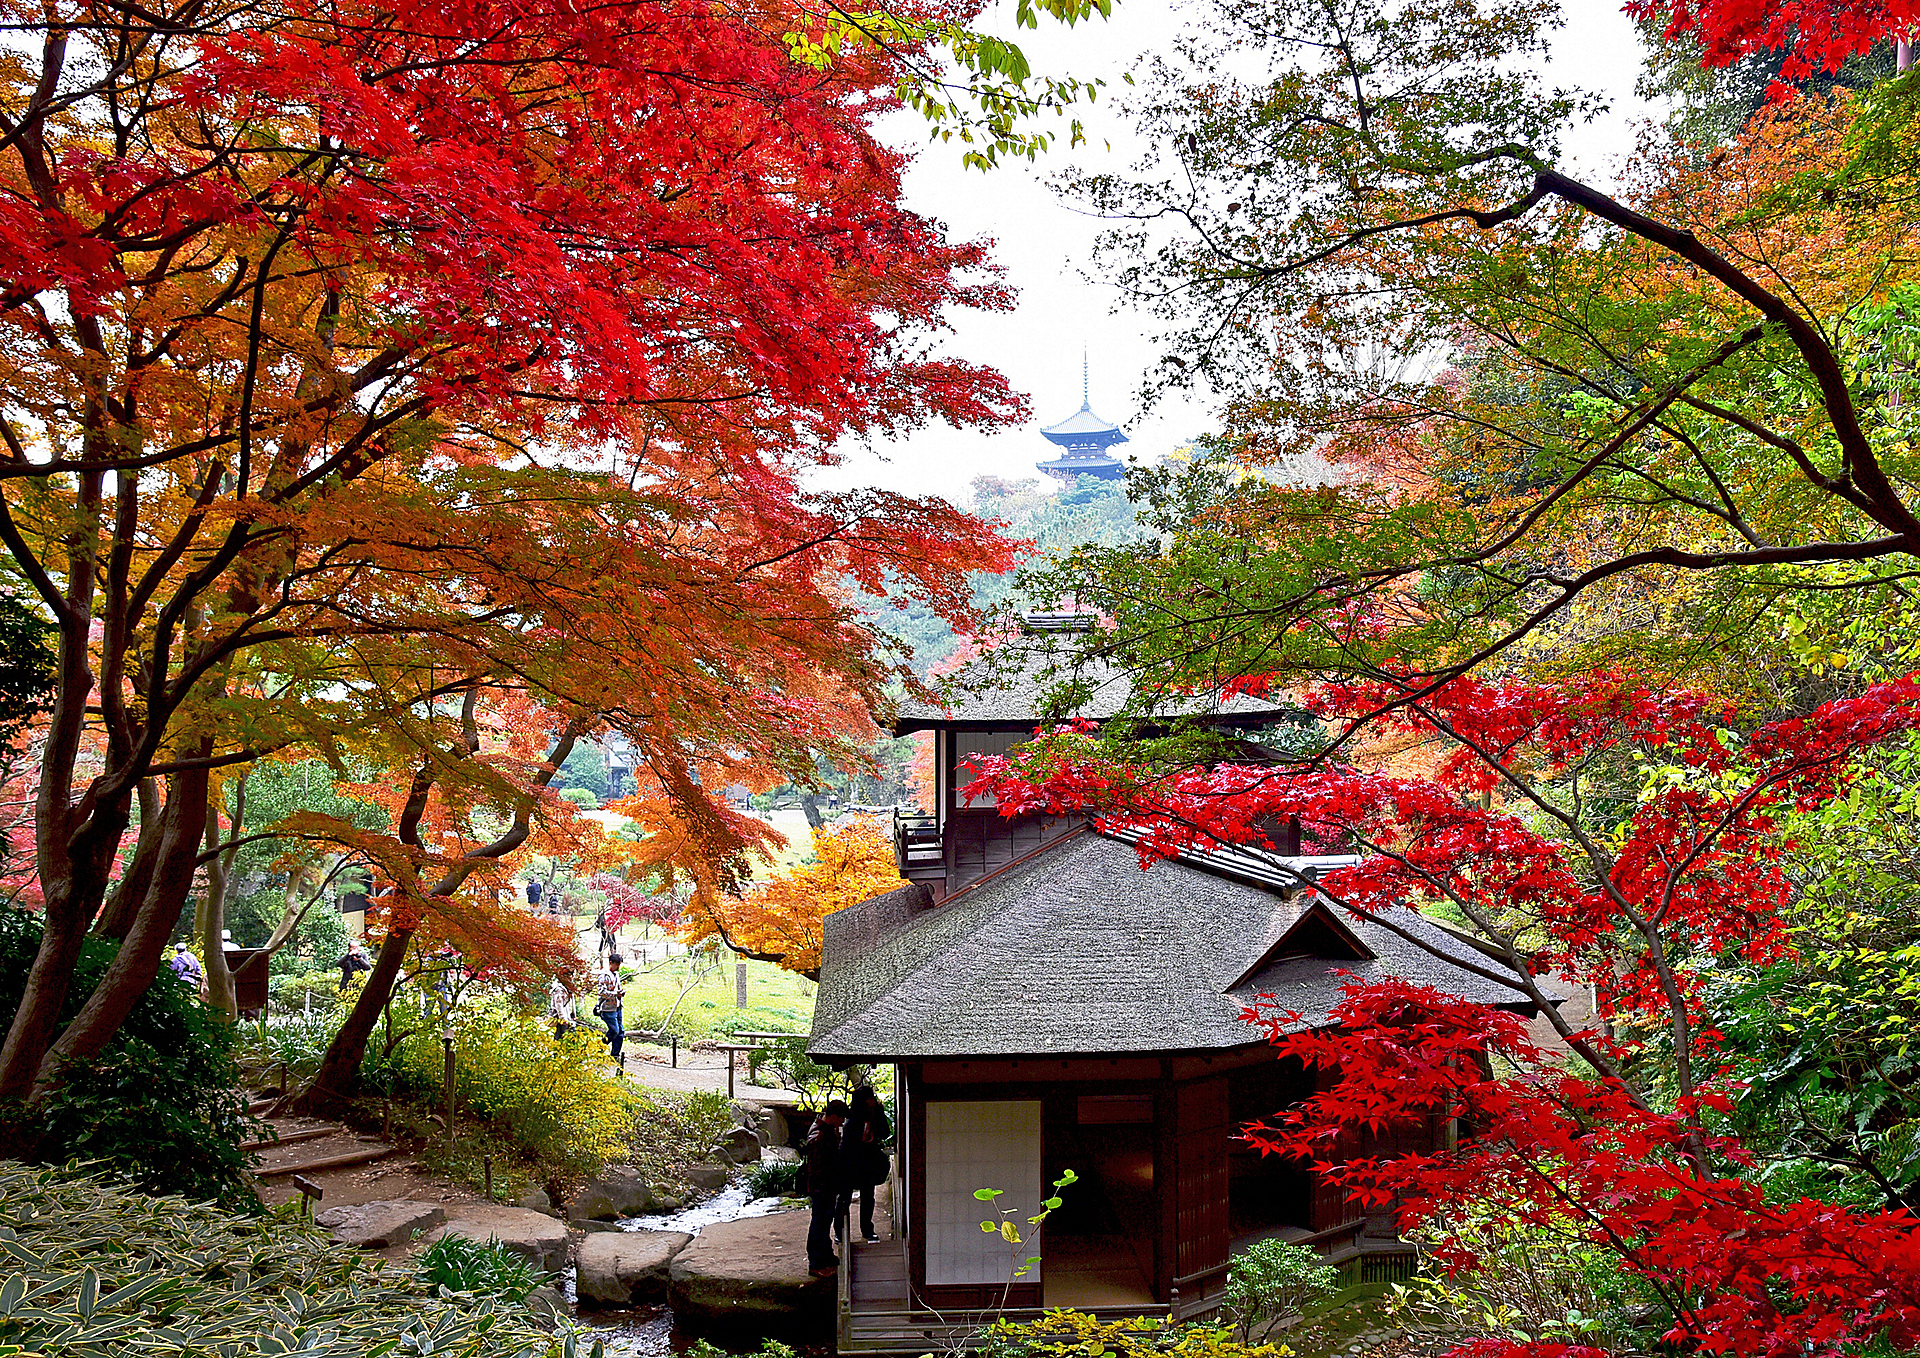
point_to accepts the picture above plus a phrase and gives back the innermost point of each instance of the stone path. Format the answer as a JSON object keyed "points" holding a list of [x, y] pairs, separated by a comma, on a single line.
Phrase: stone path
{"points": [[698, 1070]]}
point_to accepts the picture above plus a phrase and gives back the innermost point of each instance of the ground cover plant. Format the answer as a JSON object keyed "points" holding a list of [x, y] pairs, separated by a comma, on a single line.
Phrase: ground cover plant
{"points": [[1063, 1332], [98, 1269], [481, 1268]]}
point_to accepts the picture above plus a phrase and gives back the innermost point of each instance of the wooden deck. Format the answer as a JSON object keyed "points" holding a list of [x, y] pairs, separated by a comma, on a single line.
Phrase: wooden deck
{"points": [[878, 1314]]}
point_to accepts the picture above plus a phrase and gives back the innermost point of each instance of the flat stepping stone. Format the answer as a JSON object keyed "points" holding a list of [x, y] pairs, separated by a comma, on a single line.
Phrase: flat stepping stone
{"points": [[626, 1268], [534, 1236], [379, 1225], [750, 1268]]}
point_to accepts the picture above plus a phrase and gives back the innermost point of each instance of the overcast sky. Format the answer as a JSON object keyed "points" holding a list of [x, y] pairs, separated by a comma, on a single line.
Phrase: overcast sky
{"points": [[1045, 247]]}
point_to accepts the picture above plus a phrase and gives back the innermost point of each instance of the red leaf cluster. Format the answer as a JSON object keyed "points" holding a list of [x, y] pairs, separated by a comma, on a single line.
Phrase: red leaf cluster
{"points": [[1583, 1157], [1818, 35]]}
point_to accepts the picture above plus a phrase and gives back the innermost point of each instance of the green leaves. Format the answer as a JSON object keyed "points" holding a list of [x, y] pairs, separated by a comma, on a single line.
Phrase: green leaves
{"points": [[990, 107]]}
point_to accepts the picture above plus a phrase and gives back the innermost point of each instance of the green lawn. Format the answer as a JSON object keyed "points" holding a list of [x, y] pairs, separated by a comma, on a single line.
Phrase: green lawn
{"points": [[778, 1001]]}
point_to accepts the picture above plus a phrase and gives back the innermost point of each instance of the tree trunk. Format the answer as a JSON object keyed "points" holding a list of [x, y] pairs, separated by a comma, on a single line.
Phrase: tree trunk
{"points": [[71, 903], [210, 922], [133, 969], [340, 1067], [37, 1019], [116, 917], [811, 808]]}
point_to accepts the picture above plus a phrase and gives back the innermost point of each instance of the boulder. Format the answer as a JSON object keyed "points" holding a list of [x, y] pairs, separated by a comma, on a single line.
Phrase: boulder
{"points": [[549, 1307], [739, 1146], [532, 1235], [750, 1269], [785, 1154], [377, 1225], [708, 1176], [774, 1128], [535, 1200], [620, 1192], [625, 1268]]}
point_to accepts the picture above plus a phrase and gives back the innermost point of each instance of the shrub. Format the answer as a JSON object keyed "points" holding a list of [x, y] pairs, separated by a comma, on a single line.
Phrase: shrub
{"points": [[162, 1102], [1075, 1334], [786, 1061], [1531, 1286], [298, 1043], [774, 1178], [1270, 1279], [111, 1270], [676, 1130], [478, 1268], [560, 1100], [303, 991]]}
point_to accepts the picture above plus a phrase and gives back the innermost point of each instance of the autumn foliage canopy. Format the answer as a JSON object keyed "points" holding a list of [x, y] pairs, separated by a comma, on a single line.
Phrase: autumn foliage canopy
{"points": [[779, 920], [429, 388]]}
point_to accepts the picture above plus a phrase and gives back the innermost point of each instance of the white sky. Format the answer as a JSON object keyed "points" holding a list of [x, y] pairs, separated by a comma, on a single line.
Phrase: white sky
{"points": [[1045, 247]]}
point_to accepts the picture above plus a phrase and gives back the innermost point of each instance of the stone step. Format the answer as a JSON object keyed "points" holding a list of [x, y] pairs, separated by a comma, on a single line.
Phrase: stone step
{"points": [[289, 1138]]}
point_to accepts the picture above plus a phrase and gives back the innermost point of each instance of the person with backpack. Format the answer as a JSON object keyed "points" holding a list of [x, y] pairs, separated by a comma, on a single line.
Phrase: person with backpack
{"points": [[822, 1152], [187, 967], [863, 1158], [612, 1001]]}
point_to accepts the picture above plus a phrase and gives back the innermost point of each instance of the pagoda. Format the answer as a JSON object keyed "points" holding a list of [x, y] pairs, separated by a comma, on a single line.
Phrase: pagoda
{"points": [[1084, 439]]}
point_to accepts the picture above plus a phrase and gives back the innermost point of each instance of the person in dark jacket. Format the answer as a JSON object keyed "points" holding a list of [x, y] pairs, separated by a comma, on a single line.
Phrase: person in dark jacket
{"points": [[863, 1157], [822, 1152]]}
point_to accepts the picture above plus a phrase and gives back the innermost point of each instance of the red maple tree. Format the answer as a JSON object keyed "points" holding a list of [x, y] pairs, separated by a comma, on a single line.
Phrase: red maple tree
{"points": [[1496, 839], [365, 359]]}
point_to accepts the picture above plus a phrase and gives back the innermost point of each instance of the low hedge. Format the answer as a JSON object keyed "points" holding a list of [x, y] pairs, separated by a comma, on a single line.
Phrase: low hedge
{"points": [[92, 1268]]}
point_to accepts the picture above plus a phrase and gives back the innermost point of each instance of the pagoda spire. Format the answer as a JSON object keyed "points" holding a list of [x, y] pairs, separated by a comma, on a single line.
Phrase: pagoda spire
{"points": [[1084, 439]]}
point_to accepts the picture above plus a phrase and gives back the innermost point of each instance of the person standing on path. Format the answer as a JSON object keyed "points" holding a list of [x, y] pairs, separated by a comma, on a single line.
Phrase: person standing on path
{"points": [[863, 1158], [560, 1008], [613, 999], [822, 1152]]}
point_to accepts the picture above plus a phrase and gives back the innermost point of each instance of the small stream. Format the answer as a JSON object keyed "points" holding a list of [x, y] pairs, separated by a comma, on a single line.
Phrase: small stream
{"points": [[731, 1203], [651, 1332]]}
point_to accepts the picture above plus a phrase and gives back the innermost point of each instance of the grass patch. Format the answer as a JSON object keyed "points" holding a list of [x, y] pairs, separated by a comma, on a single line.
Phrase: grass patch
{"points": [[778, 1001]]}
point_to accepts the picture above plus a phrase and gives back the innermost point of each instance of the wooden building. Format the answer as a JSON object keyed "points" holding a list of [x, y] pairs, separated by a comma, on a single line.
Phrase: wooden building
{"points": [[1049, 1005]]}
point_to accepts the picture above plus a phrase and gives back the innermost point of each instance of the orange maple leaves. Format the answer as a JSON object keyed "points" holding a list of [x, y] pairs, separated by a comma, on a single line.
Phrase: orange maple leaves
{"points": [[780, 919]]}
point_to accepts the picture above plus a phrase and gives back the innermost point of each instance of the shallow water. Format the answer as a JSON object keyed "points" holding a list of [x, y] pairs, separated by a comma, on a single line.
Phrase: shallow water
{"points": [[653, 1332], [731, 1203]]}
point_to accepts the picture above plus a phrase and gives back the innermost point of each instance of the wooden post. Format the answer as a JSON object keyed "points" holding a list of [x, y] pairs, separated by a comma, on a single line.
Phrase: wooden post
{"points": [[309, 1190], [674, 1038], [729, 1074], [446, 1041]]}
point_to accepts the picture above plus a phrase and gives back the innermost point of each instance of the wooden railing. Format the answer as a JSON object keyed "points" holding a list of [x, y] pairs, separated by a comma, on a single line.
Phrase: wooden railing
{"points": [[917, 849]]}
